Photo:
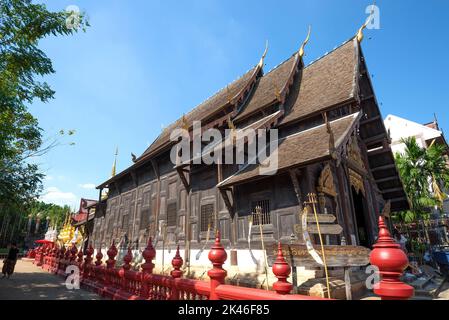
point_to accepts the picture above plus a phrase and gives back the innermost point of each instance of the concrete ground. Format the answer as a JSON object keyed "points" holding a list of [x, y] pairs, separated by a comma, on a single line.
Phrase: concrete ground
{"points": [[30, 282]]}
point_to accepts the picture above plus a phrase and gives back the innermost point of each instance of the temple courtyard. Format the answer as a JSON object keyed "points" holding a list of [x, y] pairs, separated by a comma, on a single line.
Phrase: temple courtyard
{"points": [[30, 282]]}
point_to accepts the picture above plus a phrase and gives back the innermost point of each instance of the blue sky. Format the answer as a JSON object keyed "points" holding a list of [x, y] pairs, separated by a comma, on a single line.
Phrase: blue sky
{"points": [[142, 64]]}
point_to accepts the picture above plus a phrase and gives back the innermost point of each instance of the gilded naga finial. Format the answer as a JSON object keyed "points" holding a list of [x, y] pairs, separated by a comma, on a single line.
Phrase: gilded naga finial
{"points": [[301, 49], [263, 56], [368, 20], [184, 123]]}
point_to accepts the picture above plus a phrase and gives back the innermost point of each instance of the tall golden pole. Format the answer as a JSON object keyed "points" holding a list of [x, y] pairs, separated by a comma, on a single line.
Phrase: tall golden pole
{"points": [[259, 214], [313, 201]]}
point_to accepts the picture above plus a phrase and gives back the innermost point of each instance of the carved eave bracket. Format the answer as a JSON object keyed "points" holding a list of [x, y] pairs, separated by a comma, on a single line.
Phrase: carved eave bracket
{"points": [[228, 195], [330, 132], [184, 175], [155, 168], [134, 178]]}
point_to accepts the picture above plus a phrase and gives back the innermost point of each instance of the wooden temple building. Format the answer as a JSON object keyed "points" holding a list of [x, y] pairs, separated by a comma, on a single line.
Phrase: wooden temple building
{"points": [[332, 142]]}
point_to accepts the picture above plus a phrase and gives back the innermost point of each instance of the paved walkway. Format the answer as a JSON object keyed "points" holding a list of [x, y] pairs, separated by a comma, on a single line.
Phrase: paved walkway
{"points": [[32, 283]]}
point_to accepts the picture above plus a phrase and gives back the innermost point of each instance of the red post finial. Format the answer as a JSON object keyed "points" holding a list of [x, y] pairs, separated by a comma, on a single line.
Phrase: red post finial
{"points": [[281, 270], [177, 263], [80, 256], [391, 260], [89, 253], [217, 255], [99, 257], [148, 254], [127, 260], [62, 252], [73, 252], [112, 253]]}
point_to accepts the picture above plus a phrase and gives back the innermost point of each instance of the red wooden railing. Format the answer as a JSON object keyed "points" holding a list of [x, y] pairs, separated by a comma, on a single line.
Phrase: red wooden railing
{"points": [[125, 284]]}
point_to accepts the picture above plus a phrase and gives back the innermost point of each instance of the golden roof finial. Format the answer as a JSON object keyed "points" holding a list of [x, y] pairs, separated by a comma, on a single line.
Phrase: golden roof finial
{"points": [[301, 49], [360, 32], [228, 93], [114, 165], [184, 123], [263, 56]]}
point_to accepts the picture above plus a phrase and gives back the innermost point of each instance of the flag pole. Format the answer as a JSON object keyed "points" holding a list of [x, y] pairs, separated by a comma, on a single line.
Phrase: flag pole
{"points": [[259, 214], [313, 201]]}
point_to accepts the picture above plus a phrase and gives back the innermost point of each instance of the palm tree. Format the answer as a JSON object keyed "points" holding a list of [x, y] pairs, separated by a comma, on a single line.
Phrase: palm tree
{"points": [[423, 172]]}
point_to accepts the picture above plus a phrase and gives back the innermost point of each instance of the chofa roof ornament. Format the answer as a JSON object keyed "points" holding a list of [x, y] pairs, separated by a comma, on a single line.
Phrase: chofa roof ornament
{"points": [[301, 49], [263, 56], [368, 20]]}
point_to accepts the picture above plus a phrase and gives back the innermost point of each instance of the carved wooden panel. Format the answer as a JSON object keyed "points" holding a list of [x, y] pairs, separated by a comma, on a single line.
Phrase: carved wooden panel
{"points": [[171, 214], [145, 218], [172, 191], [242, 229], [285, 225], [224, 227]]}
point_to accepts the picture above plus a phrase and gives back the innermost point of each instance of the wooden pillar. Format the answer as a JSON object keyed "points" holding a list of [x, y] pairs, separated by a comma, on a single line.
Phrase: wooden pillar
{"points": [[158, 200], [345, 206], [297, 188]]}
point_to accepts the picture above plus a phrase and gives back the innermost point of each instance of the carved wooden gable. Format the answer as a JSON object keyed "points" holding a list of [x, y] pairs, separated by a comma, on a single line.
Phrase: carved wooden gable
{"points": [[326, 182], [355, 156]]}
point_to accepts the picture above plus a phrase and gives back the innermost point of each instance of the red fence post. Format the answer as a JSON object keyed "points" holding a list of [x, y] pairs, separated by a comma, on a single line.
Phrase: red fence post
{"points": [[177, 263], [80, 262], [98, 274], [99, 258], [217, 255], [388, 256], [54, 267], [176, 273], [147, 268], [61, 260], [73, 252], [88, 263], [112, 252], [281, 270], [123, 292]]}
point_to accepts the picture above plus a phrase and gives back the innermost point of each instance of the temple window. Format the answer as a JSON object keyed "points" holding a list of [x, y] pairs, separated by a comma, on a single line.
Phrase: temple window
{"points": [[171, 214], [207, 217], [144, 218], [261, 216]]}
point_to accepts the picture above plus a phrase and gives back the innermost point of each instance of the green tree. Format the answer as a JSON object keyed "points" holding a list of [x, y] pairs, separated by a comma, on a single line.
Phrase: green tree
{"points": [[22, 68], [424, 171]]}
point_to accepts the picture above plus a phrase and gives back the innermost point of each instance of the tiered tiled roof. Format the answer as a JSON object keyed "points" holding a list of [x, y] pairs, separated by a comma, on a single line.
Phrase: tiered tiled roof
{"points": [[328, 81], [300, 149], [205, 109]]}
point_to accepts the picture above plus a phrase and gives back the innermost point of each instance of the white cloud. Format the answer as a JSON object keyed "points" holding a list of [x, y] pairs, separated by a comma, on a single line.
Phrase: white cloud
{"points": [[56, 196], [89, 186]]}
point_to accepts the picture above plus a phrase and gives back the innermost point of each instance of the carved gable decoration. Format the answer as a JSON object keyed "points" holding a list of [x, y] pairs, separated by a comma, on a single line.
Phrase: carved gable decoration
{"points": [[326, 182], [354, 152], [356, 181]]}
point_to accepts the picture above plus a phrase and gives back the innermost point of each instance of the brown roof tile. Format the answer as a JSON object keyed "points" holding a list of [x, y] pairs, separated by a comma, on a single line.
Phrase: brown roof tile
{"points": [[301, 148], [326, 82], [268, 86], [202, 111]]}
